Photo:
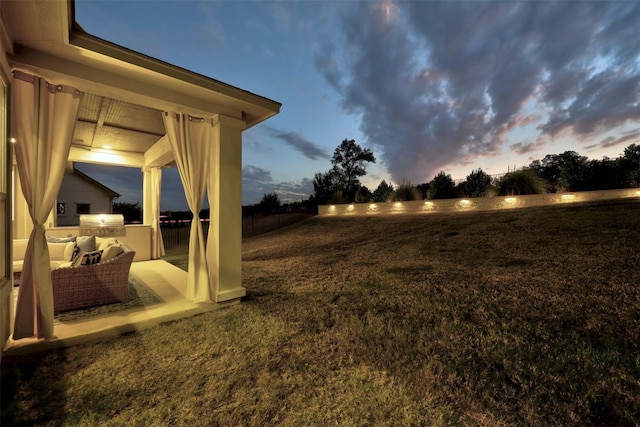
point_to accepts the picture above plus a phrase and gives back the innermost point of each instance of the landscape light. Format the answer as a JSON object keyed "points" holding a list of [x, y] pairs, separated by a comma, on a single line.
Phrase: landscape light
{"points": [[465, 203], [568, 197], [510, 200], [351, 207]]}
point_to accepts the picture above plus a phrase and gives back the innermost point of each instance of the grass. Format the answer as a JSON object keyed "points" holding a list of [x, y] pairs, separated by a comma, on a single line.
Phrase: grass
{"points": [[523, 317]]}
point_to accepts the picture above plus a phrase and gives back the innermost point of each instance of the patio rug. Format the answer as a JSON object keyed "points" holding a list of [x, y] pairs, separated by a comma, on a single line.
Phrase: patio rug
{"points": [[142, 296]]}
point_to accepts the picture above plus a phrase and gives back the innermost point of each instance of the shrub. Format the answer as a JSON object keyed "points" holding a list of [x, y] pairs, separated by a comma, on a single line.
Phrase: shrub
{"points": [[477, 184], [363, 195], [270, 202], [405, 193], [337, 198], [442, 187], [518, 183], [381, 194]]}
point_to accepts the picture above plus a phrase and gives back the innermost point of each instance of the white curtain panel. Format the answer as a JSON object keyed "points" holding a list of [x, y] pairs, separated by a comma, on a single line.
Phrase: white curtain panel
{"points": [[191, 139], [43, 118], [152, 190]]}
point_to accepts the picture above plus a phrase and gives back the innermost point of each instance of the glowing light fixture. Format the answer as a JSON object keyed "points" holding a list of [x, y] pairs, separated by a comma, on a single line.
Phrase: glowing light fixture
{"points": [[13, 140], [111, 225], [510, 200], [568, 197], [351, 207], [465, 203]]}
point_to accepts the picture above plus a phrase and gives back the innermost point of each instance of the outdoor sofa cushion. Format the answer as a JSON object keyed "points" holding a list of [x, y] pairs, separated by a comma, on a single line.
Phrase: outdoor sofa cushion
{"points": [[59, 253]]}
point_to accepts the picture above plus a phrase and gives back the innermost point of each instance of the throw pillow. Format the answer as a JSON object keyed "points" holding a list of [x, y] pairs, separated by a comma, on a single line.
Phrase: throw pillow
{"points": [[54, 239], [57, 251], [86, 243], [103, 243], [69, 251], [111, 252], [88, 258]]}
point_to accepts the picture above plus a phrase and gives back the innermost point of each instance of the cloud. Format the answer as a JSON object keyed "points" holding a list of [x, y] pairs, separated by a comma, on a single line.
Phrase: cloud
{"points": [[210, 31], [294, 191], [612, 141], [524, 147], [440, 83], [255, 174], [256, 182], [300, 143]]}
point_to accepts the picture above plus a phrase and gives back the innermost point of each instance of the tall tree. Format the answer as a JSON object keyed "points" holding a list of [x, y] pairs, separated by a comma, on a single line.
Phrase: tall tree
{"points": [[349, 163], [630, 165], [563, 172]]}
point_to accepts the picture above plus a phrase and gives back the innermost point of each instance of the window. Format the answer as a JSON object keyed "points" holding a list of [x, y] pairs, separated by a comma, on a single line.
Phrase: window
{"points": [[83, 208]]}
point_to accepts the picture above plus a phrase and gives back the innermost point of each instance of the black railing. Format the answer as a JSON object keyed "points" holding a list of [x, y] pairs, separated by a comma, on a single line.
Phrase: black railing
{"points": [[176, 232], [258, 223]]}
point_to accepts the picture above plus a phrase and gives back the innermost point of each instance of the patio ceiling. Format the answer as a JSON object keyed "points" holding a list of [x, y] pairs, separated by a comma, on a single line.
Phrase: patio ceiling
{"points": [[108, 124], [125, 92]]}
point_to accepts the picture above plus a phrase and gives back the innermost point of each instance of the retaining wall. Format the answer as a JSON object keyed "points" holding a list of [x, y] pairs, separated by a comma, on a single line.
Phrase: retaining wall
{"points": [[473, 204]]}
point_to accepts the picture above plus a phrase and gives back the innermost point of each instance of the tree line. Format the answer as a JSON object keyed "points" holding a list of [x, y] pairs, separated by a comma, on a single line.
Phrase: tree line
{"points": [[568, 171]]}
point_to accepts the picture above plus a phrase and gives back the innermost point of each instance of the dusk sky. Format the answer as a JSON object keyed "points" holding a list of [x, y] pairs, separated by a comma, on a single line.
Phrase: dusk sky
{"points": [[427, 85]]}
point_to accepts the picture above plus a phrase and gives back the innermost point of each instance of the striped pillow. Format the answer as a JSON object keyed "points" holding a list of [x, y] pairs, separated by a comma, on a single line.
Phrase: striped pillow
{"points": [[88, 258]]}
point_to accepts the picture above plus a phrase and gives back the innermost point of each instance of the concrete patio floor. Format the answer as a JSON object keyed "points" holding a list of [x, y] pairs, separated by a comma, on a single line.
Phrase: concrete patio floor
{"points": [[166, 280]]}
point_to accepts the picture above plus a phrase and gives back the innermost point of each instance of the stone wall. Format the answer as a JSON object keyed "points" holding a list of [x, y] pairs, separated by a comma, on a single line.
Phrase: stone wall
{"points": [[472, 204]]}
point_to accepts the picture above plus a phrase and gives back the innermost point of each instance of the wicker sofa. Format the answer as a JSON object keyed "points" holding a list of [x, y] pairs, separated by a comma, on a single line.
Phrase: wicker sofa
{"points": [[83, 286], [89, 285]]}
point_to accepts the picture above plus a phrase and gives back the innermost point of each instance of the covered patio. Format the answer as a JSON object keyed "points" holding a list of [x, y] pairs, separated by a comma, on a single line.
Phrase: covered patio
{"points": [[76, 98], [167, 281]]}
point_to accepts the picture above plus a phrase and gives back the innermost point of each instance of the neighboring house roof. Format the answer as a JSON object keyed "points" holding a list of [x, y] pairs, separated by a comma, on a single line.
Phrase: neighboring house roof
{"points": [[112, 194]]}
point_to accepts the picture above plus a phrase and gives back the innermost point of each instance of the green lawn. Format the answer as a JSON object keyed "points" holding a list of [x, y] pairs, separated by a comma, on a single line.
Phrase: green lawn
{"points": [[523, 317]]}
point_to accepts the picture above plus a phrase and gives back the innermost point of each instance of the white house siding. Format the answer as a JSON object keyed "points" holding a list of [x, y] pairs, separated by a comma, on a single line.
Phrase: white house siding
{"points": [[76, 190]]}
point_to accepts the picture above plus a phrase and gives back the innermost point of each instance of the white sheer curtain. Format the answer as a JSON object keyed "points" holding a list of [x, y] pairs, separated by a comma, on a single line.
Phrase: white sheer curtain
{"points": [[151, 208], [191, 139], [43, 118]]}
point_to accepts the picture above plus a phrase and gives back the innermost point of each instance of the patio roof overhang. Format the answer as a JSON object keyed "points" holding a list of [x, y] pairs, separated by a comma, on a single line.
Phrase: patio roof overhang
{"points": [[119, 120]]}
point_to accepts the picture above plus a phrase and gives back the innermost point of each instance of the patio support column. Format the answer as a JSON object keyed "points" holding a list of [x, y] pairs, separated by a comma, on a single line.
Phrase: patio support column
{"points": [[224, 241], [151, 189]]}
